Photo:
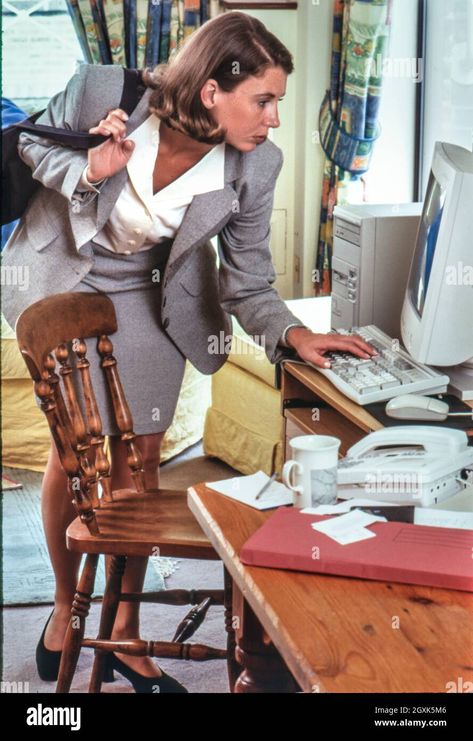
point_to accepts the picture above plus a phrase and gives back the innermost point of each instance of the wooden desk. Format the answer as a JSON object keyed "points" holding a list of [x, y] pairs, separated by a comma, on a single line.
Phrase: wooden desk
{"points": [[329, 412], [332, 633]]}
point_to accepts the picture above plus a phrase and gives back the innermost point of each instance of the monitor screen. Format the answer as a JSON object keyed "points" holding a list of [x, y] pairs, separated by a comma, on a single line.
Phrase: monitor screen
{"points": [[426, 242]]}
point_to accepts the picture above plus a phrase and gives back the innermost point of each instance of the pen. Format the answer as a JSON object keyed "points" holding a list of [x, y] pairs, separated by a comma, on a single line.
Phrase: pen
{"points": [[266, 486]]}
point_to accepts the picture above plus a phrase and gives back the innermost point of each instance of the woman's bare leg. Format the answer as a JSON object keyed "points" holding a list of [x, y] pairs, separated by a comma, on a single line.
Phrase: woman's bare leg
{"points": [[127, 623], [58, 513]]}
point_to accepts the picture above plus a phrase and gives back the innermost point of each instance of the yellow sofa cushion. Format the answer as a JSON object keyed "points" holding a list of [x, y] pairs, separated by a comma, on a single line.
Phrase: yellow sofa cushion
{"points": [[248, 355], [243, 427]]}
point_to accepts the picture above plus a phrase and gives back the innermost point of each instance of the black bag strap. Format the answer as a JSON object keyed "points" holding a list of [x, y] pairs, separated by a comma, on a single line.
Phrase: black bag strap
{"points": [[133, 89]]}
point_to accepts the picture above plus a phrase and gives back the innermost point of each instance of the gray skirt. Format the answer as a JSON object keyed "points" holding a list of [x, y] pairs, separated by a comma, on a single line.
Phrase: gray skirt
{"points": [[150, 366]]}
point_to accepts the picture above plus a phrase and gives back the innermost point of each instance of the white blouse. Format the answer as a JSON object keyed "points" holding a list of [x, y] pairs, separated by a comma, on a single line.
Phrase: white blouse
{"points": [[140, 219]]}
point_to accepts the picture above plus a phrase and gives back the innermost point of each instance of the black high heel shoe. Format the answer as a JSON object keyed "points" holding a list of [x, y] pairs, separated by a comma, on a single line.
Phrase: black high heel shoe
{"points": [[164, 683], [47, 662]]}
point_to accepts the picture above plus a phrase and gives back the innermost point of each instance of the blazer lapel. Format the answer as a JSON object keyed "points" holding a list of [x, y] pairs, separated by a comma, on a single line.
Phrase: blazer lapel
{"points": [[112, 188], [202, 220], [208, 212]]}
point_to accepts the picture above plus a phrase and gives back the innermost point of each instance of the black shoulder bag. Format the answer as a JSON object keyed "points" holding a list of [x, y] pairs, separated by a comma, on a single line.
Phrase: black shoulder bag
{"points": [[18, 184]]}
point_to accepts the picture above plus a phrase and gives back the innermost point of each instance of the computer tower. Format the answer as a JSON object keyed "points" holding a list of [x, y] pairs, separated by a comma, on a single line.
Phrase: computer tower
{"points": [[372, 250]]}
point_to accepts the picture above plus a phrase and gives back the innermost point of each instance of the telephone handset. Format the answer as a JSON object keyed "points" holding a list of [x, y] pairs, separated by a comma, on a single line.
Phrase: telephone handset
{"points": [[414, 464]]}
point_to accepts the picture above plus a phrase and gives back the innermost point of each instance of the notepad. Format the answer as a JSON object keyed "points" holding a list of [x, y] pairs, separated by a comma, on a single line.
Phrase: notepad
{"points": [[245, 488], [401, 552]]}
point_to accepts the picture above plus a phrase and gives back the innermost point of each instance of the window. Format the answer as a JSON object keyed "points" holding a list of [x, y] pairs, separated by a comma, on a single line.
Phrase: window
{"points": [[433, 92], [448, 84], [390, 178], [40, 51]]}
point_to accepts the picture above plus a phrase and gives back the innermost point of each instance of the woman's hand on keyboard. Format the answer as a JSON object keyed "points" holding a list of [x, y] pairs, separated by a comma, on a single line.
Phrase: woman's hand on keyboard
{"points": [[113, 154], [312, 347]]}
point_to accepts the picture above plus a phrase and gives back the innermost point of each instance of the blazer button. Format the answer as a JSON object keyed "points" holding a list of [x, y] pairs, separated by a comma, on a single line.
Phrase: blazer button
{"points": [[166, 323]]}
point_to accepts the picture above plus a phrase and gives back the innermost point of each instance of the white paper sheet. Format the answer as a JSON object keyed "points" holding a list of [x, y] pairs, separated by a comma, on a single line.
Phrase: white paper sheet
{"points": [[443, 518], [349, 528], [245, 488]]}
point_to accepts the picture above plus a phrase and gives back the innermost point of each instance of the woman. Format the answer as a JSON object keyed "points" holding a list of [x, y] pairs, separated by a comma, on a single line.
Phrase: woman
{"points": [[192, 161]]}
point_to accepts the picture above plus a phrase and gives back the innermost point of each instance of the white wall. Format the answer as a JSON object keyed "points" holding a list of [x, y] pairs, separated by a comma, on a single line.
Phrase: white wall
{"points": [[283, 23], [307, 34], [313, 70]]}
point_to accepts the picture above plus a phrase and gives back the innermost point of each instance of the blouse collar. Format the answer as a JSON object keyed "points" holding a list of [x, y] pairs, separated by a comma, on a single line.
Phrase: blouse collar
{"points": [[204, 177]]}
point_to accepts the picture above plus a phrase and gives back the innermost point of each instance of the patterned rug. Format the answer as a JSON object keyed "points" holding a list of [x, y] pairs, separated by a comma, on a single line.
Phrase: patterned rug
{"points": [[28, 578]]}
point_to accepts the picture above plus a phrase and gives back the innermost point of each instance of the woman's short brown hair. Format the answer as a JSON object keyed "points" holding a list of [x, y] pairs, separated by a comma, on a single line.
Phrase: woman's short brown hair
{"points": [[229, 49]]}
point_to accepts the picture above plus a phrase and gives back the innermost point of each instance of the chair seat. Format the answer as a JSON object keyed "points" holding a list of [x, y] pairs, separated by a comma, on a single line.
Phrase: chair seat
{"points": [[140, 524]]}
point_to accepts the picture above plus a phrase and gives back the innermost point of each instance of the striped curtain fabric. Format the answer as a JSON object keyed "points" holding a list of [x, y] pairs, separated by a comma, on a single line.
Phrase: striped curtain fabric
{"points": [[348, 125], [137, 33]]}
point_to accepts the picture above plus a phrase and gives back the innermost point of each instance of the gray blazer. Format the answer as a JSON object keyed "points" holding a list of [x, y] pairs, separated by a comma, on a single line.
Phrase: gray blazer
{"points": [[51, 244]]}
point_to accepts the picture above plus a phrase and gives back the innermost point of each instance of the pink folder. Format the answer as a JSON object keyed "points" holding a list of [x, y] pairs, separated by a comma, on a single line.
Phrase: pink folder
{"points": [[401, 552]]}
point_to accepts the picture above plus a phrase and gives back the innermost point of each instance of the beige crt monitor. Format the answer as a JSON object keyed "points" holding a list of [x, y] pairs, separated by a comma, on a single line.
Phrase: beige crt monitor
{"points": [[372, 251], [437, 315]]}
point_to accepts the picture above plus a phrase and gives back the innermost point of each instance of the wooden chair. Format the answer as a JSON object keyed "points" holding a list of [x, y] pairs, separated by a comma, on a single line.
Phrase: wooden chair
{"points": [[119, 523]]}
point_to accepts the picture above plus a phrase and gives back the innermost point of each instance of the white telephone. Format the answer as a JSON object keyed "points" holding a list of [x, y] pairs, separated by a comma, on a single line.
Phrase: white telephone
{"points": [[411, 464]]}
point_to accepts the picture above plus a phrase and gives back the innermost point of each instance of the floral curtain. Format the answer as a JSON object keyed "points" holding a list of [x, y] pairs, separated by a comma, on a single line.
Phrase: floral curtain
{"points": [[348, 115], [136, 33]]}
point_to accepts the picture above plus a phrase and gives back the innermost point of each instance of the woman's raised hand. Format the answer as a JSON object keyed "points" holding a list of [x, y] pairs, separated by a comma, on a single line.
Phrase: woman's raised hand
{"points": [[113, 154]]}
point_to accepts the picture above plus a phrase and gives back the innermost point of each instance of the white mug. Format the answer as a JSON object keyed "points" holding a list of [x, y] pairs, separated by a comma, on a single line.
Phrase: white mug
{"points": [[315, 466]]}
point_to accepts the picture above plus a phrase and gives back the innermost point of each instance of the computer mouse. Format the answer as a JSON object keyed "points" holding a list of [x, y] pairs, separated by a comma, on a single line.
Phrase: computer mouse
{"points": [[415, 406]]}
